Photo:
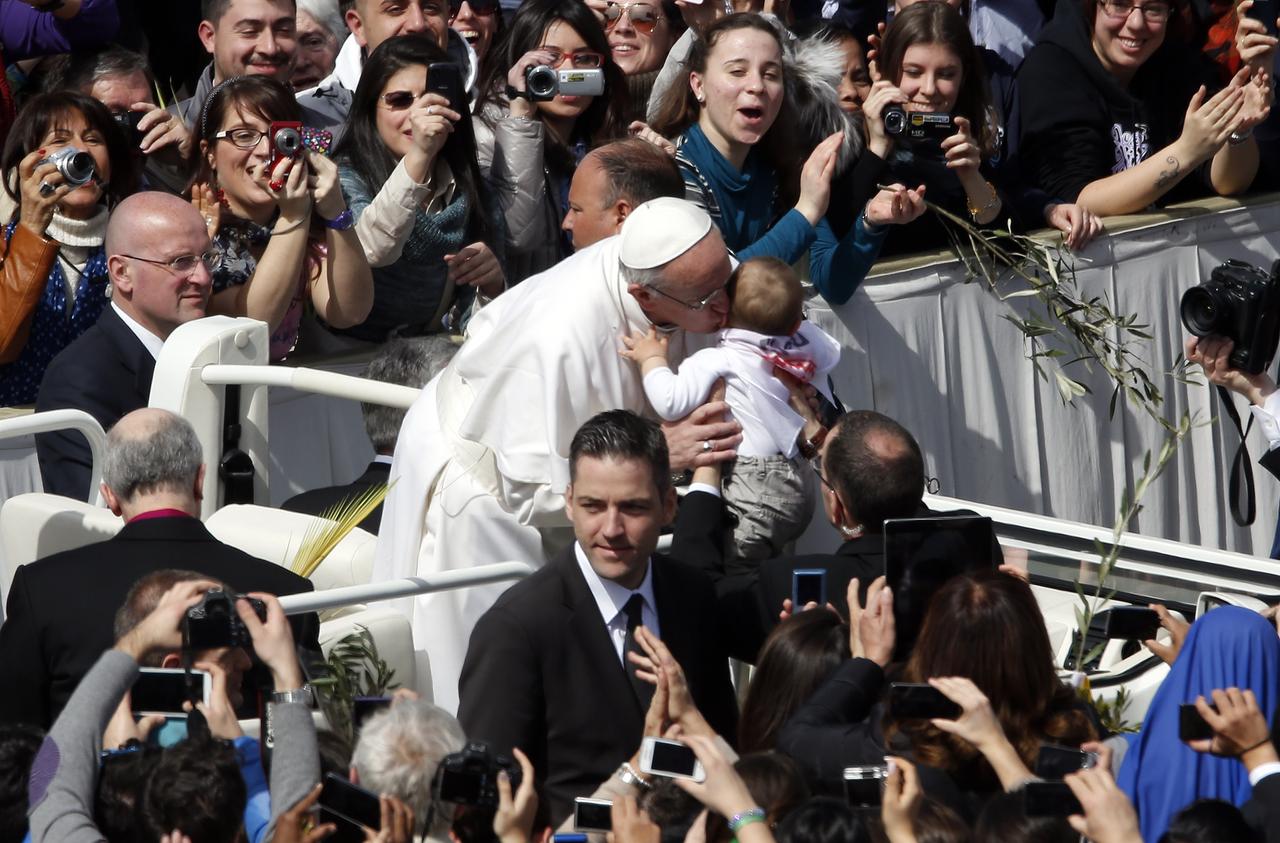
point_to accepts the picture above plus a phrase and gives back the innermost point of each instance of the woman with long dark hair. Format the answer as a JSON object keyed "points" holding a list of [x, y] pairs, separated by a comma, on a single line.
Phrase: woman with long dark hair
{"points": [[531, 149], [53, 275], [410, 177], [283, 228]]}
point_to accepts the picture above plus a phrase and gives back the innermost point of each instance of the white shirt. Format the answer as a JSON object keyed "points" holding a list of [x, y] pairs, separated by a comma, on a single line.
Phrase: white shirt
{"points": [[150, 341], [1268, 418], [1260, 772], [612, 598], [759, 401]]}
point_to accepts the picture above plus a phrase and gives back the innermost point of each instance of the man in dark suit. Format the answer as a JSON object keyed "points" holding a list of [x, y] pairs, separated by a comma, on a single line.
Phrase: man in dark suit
{"points": [[159, 280], [546, 669], [404, 361], [870, 469], [60, 610]]}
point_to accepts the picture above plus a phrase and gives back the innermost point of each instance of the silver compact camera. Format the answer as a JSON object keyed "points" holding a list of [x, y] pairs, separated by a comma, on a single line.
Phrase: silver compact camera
{"points": [[75, 165], [544, 82]]}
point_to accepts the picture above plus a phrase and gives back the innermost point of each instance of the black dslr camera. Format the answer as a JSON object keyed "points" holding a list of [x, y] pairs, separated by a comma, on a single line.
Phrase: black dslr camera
{"points": [[213, 622], [1242, 303], [914, 127], [470, 777]]}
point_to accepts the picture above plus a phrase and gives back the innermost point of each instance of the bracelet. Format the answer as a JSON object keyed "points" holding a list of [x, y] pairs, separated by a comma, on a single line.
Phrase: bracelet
{"points": [[294, 227], [1237, 138], [1249, 749], [342, 221], [975, 211], [809, 447], [752, 815]]}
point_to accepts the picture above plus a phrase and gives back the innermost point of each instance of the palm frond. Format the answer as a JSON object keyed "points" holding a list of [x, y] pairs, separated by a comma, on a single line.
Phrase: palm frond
{"points": [[339, 520]]}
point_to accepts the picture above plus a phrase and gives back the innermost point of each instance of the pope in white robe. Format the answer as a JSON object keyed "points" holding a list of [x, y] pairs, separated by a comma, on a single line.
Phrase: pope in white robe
{"points": [[481, 465]]}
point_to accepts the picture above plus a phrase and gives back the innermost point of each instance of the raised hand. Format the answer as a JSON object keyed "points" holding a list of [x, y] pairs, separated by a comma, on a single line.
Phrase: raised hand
{"points": [[815, 178], [1209, 122], [42, 187], [513, 822], [1177, 628]]}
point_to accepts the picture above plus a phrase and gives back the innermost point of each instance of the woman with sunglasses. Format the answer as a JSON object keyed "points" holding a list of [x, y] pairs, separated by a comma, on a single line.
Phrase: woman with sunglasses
{"points": [[479, 22], [414, 186], [1137, 118], [53, 270], [282, 226], [529, 148], [641, 34]]}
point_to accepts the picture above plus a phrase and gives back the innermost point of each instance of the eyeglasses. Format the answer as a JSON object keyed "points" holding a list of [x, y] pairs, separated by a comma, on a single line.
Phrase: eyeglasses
{"points": [[399, 100], [479, 8], [186, 264], [580, 59], [816, 465], [1151, 12], [241, 138], [644, 17], [700, 304]]}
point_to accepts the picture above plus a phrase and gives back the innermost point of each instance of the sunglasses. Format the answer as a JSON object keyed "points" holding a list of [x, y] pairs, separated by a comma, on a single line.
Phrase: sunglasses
{"points": [[399, 100], [580, 59], [644, 17], [480, 8]]}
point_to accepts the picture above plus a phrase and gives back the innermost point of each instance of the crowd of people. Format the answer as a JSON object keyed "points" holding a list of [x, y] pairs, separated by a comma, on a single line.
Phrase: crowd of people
{"points": [[564, 221]]}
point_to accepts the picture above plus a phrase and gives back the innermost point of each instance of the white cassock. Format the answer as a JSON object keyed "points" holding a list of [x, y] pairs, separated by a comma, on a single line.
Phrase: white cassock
{"points": [[482, 462]]}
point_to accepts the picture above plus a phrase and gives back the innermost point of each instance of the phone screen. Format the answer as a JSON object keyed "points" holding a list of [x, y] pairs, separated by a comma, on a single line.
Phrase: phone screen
{"points": [[909, 701], [362, 708], [864, 786], [808, 586], [1054, 762], [592, 815], [1264, 11], [161, 691], [1191, 724], [351, 802], [1050, 799], [674, 758], [921, 554], [1132, 623]]}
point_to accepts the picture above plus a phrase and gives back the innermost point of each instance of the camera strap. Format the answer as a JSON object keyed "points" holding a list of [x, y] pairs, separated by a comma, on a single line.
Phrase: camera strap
{"points": [[1240, 484]]}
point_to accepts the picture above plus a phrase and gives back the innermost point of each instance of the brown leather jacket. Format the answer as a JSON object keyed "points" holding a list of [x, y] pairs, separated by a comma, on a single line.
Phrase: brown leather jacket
{"points": [[24, 272]]}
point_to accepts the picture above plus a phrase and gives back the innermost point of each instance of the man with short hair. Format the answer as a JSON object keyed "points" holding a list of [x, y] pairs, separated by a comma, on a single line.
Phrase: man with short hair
{"points": [[482, 466], [547, 668], [245, 38], [611, 182], [404, 361], [60, 611], [398, 752], [371, 22], [159, 259]]}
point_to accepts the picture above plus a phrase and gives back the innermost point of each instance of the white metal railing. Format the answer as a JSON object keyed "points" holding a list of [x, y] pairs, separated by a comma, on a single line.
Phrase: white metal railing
{"points": [[52, 420], [295, 604], [316, 381]]}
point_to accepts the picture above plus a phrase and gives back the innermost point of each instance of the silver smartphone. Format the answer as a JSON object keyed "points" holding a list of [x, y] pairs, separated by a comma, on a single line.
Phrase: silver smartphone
{"points": [[670, 758]]}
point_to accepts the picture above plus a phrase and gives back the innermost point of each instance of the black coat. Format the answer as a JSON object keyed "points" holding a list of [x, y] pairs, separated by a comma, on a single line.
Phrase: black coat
{"points": [[319, 501], [542, 674], [60, 609], [107, 373]]}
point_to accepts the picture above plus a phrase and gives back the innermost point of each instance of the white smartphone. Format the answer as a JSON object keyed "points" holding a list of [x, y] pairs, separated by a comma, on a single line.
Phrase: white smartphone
{"points": [[670, 758], [162, 690]]}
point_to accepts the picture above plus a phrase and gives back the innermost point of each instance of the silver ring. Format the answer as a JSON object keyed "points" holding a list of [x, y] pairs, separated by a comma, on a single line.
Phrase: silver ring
{"points": [[431, 109], [46, 189], [707, 446]]}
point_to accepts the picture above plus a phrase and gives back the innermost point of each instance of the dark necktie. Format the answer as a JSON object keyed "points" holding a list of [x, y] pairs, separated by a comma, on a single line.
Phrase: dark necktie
{"points": [[644, 691]]}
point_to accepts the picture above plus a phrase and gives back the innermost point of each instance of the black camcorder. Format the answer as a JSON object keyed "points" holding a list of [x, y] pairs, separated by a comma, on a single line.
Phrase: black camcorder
{"points": [[470, 777], [1242, 303], [214, 622], [912, 127]]}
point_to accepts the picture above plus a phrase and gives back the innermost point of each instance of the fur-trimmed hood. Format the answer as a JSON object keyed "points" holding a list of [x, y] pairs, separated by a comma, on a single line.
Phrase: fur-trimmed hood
{"points": [[813, 68]]}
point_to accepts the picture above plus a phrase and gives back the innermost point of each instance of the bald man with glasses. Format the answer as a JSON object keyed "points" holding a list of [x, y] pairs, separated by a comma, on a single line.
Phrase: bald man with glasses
{"points": [[160, 261]]}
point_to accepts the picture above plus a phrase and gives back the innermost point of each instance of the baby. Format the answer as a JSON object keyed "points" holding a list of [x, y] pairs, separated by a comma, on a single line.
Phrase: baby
{"points": [[769, 489]]}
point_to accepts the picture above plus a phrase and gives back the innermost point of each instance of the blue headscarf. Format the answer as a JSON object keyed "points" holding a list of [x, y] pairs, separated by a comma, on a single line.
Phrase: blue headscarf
{"points": [[1228, 647]]}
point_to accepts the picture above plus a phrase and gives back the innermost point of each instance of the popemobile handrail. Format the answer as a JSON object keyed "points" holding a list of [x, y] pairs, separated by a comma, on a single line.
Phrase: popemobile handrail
{"points": [[315, 601], [317, 381], [51, 420]]}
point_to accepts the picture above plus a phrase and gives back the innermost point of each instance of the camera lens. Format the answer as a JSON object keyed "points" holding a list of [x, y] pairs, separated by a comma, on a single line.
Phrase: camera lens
{"points": [[1201, 311], [288, 142], [895, 120], [541, 81]]}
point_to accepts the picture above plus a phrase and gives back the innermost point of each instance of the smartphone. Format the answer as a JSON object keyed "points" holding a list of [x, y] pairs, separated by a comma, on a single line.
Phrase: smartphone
{"points": [[362, 708], [569, 837], [864, 786], [1191, 724], [808, 585], [670, 758], [445, 78], [1264, 11], [316, 140], [1054, 762], [349, 807], [1049, 799], [160, 690], [285, 138], [911, 701], [1132, 623], [592, 814]]}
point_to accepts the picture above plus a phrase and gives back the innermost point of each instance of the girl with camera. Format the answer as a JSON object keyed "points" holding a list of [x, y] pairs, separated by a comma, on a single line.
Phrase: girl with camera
{"points": [[410, 175], [280, 222], [53, 271], [531, 147], [1118, 110]]}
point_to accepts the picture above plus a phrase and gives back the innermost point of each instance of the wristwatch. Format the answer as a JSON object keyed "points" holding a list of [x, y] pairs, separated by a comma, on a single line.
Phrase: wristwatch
{"points": [[297, 695], [342, 221], [629, 776]]}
